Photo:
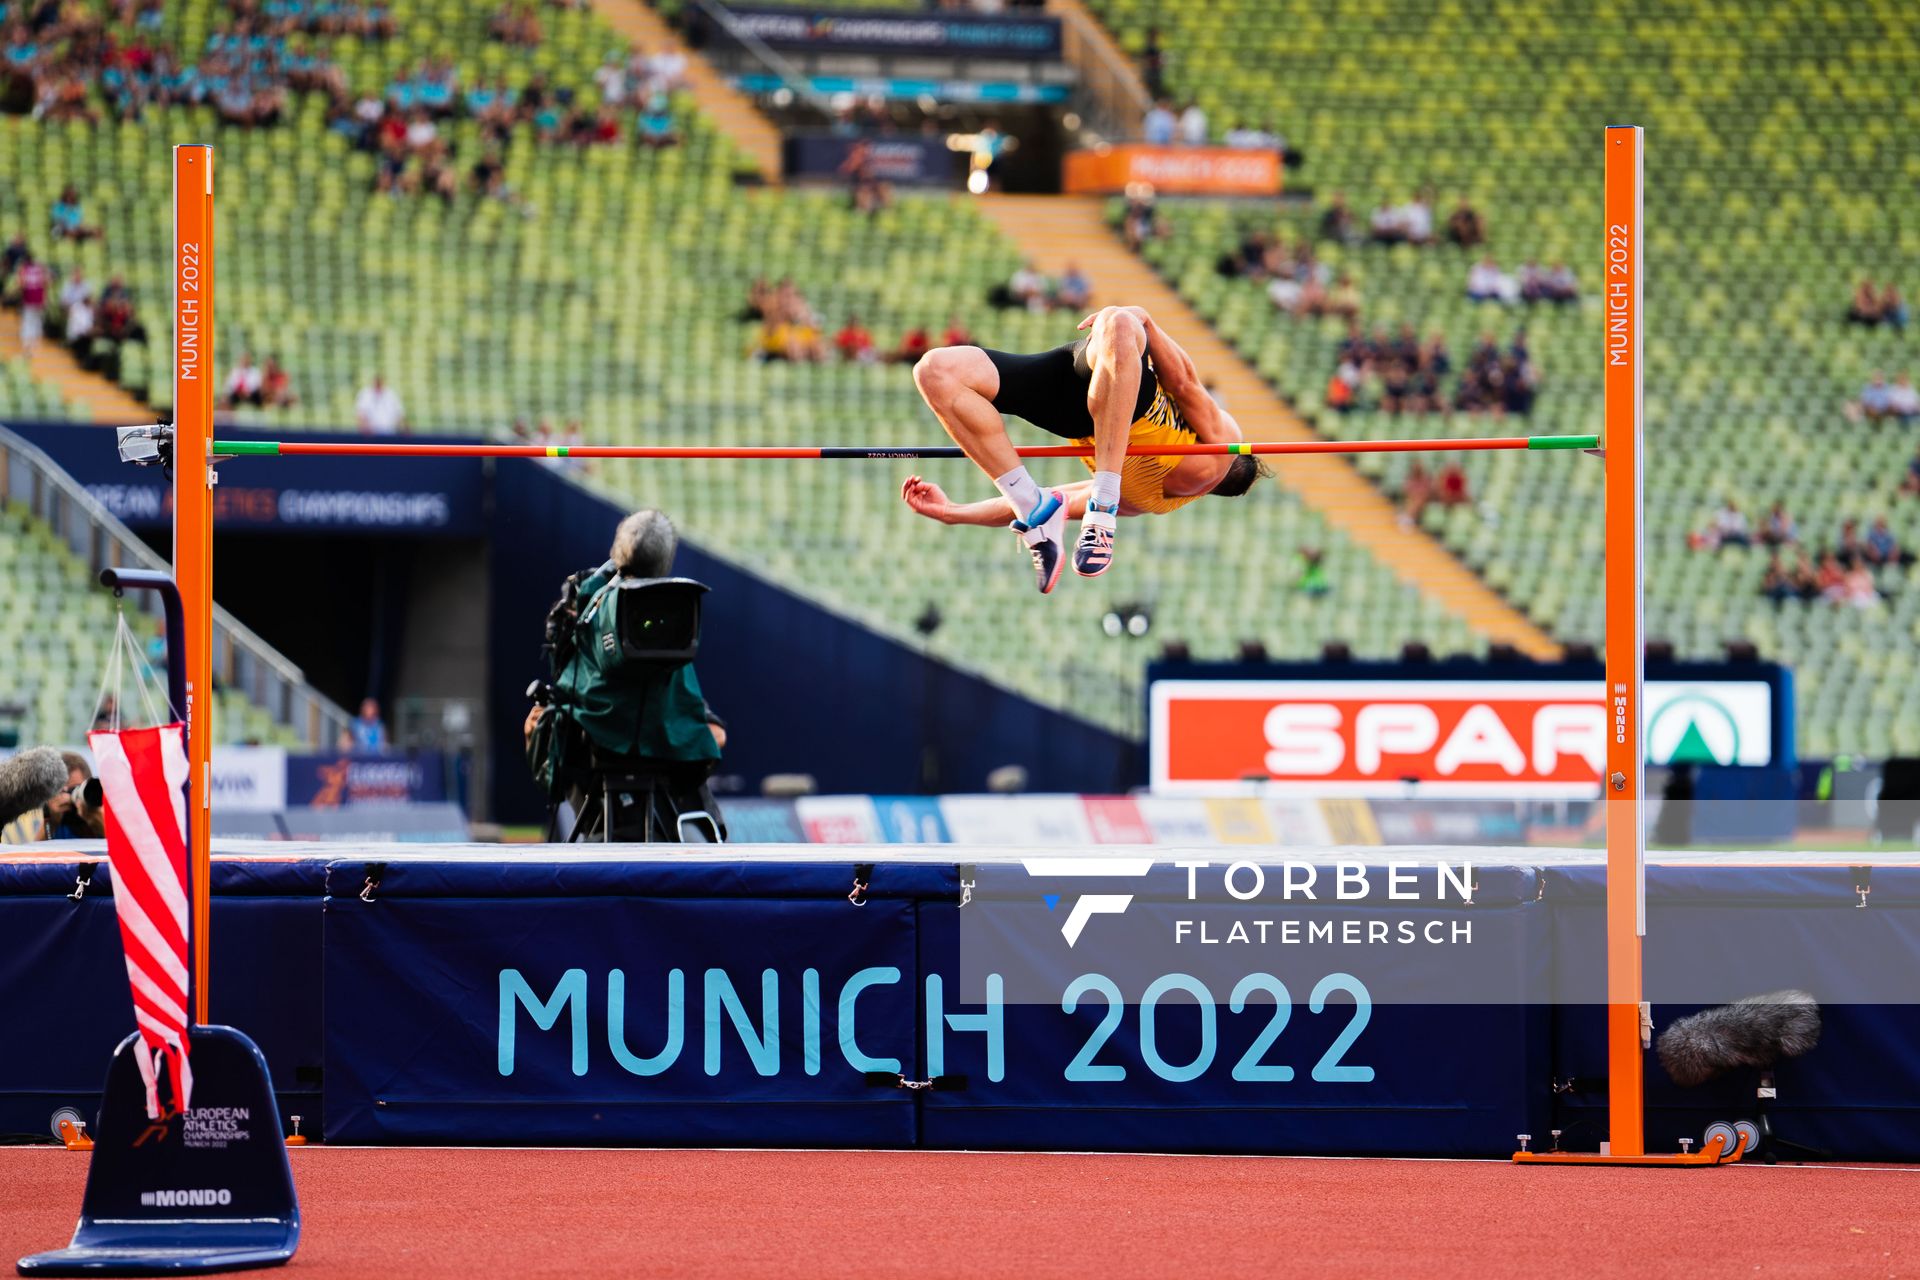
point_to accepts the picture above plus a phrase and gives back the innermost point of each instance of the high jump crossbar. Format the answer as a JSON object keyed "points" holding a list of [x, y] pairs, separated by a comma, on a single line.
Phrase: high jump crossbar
{"points": [[1620, 440], [408, 449]]}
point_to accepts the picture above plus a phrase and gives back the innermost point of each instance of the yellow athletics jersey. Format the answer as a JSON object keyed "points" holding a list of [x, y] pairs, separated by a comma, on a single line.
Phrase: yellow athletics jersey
{"points": [[1142, 480]]}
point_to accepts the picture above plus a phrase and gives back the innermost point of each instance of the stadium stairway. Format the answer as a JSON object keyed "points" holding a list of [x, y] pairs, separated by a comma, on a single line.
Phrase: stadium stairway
{"points": [[729, 109], [1055, 230], [94, 398]]}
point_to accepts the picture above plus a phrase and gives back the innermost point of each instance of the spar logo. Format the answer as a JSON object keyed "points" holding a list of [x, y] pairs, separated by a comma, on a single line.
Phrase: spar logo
{"points": [[186, 1198], [1446, 738], [1086, 906]]}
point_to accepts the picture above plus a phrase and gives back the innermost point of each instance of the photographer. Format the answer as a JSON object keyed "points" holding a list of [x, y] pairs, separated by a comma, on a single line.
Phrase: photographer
{"points": [[75, 813], [626, 727], [71, 812]]}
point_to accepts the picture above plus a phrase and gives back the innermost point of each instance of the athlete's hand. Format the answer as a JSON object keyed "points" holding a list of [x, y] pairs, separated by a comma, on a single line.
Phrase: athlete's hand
{"points": [[926, 497]]}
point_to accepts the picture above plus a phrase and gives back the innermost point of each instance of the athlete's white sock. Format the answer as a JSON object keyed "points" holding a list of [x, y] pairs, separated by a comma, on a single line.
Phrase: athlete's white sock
{"points": [[1106, 488], [1020, 490]]}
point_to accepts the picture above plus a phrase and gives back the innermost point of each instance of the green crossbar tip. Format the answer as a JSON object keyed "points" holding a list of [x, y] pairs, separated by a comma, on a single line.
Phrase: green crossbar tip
{"points": [[246, 448], [1563, 442]]}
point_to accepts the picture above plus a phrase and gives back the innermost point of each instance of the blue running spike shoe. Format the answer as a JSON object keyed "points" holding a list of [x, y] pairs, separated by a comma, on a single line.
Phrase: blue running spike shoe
{"points": [[1093, 554], [1044, 531]]}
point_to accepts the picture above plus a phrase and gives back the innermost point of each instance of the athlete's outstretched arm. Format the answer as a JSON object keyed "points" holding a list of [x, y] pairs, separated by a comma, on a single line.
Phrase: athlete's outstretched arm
{"points": [[931, 501]]}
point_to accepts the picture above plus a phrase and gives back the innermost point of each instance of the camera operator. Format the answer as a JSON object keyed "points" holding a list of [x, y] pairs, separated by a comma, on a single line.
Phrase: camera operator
{"points": [[614, 717]]}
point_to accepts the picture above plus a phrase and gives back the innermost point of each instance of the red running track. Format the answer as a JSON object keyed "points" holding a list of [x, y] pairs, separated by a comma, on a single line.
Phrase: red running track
{"points": [[788, 1215]]}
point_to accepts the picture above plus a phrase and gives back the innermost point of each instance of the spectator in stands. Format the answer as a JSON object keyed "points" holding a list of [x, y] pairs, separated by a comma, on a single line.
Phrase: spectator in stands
{"points": [[914, 343], [1486, 282], [34, 282], [1777, 583], [245, 385], [1193, 126], [1343, 388], [1075, 291], [1141, 222], [1561, 284], [69, 222], [80, 323], [10, 259], [1343, 299], [76, 291], [867, 192], [1778, 529], [1876, 399], [854, 343], [1244, 137], [367, 731], [611, 77], [378, 409], [1453, 490], [1903, 400], [1533, 281], [1883, 548], [1153, 65], [117, 320], [1336, 221], [1029, 288], [1893, 308], [1830, 578], [957, 334], [1857, 588], [596, 128], [1466, 226], [1910, 483], [666, 71], [655, 128], [1865, 308], [1310, 573], [1851, 550], [276, 388], [1730, 526], [1409, 223], [1416, 491], [1159, 124], [516, 26]]}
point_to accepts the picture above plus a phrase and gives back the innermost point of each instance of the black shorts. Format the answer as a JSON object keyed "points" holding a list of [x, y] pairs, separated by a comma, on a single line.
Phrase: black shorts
{"points": [[1050, 389]]}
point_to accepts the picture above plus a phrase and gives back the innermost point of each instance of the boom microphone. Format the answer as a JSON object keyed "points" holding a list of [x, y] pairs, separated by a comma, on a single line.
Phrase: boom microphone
{"points": [[28, 780], [1755, 1032]]}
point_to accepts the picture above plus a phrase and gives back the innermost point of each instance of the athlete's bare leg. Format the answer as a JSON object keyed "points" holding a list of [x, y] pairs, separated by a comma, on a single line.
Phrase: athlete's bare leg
{"points": [[1115, 349], [958, 384]]}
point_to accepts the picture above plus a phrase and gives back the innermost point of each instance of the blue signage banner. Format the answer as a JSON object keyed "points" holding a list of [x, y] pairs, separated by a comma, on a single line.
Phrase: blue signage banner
{"points": [[429, 497], [867, 31], [904, 161], [344, 779]]}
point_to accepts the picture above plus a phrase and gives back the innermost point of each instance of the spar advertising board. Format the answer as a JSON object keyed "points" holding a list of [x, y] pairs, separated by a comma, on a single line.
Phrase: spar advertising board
{"points": [[1461, 737]]}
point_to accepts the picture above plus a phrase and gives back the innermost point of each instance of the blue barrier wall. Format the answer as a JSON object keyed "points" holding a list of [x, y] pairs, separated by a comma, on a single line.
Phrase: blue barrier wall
{"points": [[532, 1000]]}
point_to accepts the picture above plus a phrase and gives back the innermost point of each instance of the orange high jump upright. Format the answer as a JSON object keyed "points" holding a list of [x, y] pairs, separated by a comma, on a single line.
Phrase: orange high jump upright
{"points": [[1622, 437], [193, 517], [1622, 441]]}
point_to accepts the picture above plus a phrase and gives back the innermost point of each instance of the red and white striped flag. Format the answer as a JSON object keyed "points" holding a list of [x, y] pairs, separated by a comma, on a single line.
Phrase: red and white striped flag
{"points": [[142, 773]]}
